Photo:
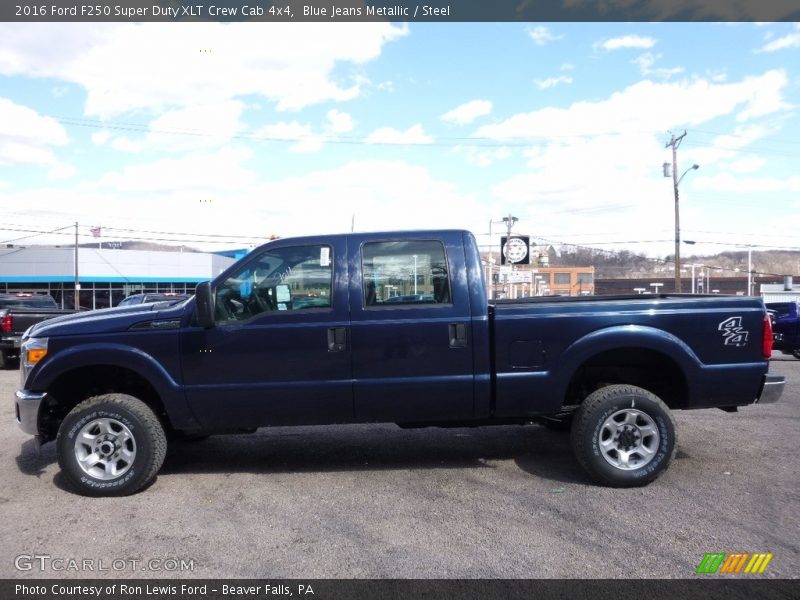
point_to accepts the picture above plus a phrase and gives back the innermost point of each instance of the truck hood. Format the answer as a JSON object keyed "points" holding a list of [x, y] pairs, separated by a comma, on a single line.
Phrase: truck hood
{"points": [[110, 320]]}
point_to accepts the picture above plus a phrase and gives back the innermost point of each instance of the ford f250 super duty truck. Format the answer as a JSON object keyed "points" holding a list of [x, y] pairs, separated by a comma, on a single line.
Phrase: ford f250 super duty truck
{"points": [[384, 327]]}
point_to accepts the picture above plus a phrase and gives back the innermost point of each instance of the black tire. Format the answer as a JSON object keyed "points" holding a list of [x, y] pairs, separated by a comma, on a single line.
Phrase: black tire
{"points": [[626, 425], [796, 353], [106, 430], [8, 360]]}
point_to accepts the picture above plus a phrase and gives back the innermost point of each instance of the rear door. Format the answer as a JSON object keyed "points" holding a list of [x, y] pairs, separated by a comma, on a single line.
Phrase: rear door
{"points": [[279, 352], [411, 329]]}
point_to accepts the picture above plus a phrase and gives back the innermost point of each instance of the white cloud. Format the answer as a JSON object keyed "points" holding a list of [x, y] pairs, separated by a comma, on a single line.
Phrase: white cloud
{"points": [[339, 122], [646, 62], [125, 144], [595, 165], [26, 137], [469, 111], [729, 183], [61, 171], [100, 138], [791, 40], [388, 135], [302, 136], [196, 126], [483, 157], [748, 165], [382, 194], [766, 97], [626, 42], [542, 35], [649, 107], [155, 66], [220, 171], [545, 84]]}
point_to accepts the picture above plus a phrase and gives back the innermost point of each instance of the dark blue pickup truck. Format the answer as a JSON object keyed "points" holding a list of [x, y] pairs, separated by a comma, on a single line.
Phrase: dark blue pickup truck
{"points": [[384, 327], [786, 326]]}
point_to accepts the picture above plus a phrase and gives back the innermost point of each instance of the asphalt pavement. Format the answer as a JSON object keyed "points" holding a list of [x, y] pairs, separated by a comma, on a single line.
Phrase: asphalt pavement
{"points": [[376, 501]]}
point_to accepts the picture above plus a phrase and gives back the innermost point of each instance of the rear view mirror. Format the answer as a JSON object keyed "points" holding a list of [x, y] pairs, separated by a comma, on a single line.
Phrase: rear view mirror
{"points": [[204, 305]]}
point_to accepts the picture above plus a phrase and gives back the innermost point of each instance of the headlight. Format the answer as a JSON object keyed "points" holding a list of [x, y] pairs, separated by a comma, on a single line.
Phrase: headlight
{"points": [[32, 351]]}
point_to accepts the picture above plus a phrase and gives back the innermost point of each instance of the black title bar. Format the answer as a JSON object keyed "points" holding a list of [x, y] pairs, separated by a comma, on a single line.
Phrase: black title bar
{"points": [[706, 588], [397, 11]]}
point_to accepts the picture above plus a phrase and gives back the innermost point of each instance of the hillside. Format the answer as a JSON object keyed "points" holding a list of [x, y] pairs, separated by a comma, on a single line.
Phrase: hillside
{"points": [[626, 264]]}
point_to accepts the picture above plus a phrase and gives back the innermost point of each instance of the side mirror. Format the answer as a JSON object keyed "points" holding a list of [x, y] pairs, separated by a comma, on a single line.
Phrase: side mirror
{"points": [[204, 305]]}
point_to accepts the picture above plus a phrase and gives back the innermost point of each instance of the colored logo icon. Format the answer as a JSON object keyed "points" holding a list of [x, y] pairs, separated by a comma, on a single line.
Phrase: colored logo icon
{"points": [[734, 562]]}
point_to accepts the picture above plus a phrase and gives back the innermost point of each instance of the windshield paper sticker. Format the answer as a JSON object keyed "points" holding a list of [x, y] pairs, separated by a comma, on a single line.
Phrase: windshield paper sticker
{"points": [[324, 256], [733, 332]]}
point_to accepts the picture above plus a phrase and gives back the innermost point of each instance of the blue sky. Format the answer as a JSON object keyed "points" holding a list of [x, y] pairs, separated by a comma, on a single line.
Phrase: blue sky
{"points": [[248, 130]]}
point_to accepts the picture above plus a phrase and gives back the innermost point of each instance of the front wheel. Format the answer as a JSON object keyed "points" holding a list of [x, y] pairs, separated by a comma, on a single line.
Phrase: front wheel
{"points": [[111, 445], [623, 436]]}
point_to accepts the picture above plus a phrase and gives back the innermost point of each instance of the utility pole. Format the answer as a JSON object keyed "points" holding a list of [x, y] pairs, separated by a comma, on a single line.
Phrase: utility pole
{"points": [[491, 284], [675, 142], [77, 284], [509, 221]]}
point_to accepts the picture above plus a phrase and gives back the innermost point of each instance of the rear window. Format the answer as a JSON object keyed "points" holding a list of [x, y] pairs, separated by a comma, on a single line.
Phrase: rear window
{"points": [[782, 309], [43, 302], [405, 272]]}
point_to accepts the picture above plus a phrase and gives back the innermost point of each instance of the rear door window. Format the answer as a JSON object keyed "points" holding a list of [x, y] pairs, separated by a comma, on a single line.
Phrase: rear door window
{"points": [[405, 273]]}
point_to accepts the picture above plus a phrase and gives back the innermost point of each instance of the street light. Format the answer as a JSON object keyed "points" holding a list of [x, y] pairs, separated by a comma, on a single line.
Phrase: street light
{"points": [[694, 280], [675, 183]]}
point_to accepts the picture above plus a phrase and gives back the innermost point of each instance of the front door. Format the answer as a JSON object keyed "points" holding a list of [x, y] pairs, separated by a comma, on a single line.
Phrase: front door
{"points": [[279, 351]]}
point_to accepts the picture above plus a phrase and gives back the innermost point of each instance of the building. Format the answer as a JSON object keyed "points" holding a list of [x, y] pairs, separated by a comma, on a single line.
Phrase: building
{"points": [[666, 285], [788, 291], [105, 276], [520, 281]]}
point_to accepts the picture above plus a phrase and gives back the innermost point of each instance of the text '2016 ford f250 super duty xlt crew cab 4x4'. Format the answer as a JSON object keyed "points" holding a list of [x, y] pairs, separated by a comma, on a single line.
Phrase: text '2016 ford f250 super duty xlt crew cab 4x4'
{"points": [[384, 327]]}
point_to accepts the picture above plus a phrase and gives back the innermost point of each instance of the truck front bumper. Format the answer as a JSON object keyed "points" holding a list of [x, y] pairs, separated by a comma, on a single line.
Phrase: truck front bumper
{"points": [[772, 390], [28, 404]]}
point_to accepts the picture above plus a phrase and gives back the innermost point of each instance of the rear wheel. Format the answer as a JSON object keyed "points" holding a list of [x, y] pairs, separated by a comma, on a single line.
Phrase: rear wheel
{"points": [[111, 445], [624, 436], [796, 352]]}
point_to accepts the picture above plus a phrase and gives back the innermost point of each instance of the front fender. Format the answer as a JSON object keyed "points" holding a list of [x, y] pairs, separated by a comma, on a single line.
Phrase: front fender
{"points": [[134, 359]]}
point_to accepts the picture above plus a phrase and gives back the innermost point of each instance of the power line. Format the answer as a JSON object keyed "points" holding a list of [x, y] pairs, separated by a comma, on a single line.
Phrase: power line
{"points": [[227, 239], [443, 141]]}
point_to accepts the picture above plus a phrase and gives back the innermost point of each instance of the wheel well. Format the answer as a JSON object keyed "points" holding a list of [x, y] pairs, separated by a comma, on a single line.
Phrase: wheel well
{"points": [[648, 369], [73, 387]]}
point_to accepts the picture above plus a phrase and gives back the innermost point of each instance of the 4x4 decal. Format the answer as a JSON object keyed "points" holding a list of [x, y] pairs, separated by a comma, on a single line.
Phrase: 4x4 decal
{"points": [[733, 332]]}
